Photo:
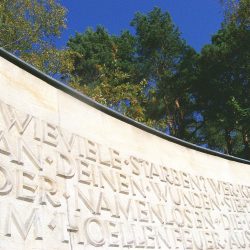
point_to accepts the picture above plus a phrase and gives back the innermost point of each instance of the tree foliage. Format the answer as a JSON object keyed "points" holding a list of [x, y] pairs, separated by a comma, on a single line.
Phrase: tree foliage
{"points": [[223, 90], [105, 69], [28, 28], [93, 49], [155, 55], [168, 63], [116, 92]]}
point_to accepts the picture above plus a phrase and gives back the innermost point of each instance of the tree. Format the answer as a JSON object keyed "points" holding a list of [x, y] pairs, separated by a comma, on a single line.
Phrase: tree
{"points": [[116, 92], [156, 55], [93, 49], [237, 11], [90, 49], [28, 29], [169, 66], [105, 69], [224, 88]]}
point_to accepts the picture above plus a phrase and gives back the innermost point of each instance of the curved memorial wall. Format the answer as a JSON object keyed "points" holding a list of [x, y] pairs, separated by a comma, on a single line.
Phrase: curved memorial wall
{"points": [[76, 175]]}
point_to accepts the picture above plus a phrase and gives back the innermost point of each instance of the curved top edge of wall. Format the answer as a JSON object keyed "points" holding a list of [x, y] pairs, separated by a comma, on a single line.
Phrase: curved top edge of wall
{"points": [[61, 86]]}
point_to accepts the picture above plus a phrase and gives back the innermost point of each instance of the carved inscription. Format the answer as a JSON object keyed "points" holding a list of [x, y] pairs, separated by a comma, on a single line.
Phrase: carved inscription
{"points": [[82, 193]]}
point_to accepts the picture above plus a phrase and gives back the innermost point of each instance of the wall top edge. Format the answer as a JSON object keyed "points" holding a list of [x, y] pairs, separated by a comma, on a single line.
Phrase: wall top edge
{"points": [[74, 93]]}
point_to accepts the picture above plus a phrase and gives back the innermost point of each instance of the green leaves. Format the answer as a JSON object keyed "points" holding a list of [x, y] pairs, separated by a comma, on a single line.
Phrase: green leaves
{"points": [[94, 49], [29, 27], [223, 90], [168, 63], [105, 69], [158, 42], [146, 76]]}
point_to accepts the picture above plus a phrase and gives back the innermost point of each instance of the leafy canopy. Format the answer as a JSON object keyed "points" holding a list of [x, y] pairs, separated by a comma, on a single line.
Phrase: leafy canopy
{"points": [[28, 29], [223, 90]]}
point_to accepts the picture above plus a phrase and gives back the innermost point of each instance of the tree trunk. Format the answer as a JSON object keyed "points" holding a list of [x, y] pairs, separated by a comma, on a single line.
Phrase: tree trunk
{"points": [[246, 151], [179, 117], [229, 141]]}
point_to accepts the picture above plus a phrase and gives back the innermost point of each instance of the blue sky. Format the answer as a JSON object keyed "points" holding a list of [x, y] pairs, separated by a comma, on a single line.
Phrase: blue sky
{"points": [[197, 19]]}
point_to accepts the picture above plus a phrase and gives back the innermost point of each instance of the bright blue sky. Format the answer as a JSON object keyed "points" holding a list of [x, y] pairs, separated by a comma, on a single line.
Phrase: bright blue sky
{"points": [[197, 19]]}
